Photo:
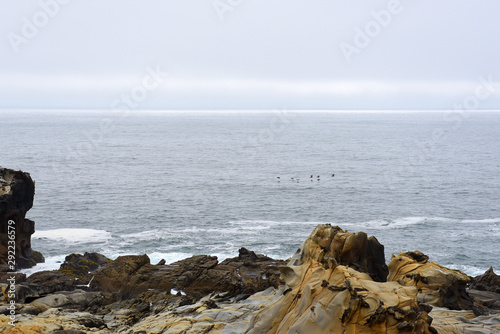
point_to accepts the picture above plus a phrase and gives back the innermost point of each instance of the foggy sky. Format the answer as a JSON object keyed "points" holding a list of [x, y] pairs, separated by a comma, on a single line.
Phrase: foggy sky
{"points": [[249, 54]]}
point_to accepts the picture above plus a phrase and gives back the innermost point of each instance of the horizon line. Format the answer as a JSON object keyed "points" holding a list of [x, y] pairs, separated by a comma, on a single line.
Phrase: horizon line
{"points": [[235, 110]]}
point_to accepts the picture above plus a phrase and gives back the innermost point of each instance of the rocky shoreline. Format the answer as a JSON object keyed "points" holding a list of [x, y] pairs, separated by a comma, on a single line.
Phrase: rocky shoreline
{"points": [[336, 282]]}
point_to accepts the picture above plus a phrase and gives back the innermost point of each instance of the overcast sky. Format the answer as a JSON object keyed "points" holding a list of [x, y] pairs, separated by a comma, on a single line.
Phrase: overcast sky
{"points": [[250, 54]]}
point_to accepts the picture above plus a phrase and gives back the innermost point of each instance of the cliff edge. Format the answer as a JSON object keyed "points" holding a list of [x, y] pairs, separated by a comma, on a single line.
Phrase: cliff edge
{"points": [[17, 191]]}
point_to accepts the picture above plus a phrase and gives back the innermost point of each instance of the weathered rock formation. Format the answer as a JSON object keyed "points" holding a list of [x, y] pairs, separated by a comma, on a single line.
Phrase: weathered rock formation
{"points": [[333, 246], [489, 281], [78, 265], [485, 290], [127, 277], [196, 276], [246, 274], [437, 285], [329, 286], [448, 321], [17, 191], [322, 296]]}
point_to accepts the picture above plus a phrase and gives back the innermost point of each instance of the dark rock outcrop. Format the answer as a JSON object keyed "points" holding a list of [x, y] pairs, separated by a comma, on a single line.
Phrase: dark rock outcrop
{"points": [[485, 291], [17, 191], [246, 274], [52, 281], [128, 277], [196, 276], [489, 281], [77, 265]]}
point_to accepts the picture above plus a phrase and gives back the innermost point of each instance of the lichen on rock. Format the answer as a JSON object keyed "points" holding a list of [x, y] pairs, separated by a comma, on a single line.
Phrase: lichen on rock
{"points": [[78, 265]]}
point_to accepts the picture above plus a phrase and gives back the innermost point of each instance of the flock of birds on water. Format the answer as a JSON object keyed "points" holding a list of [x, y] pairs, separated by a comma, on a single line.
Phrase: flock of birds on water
{"points": [[297, 180]]}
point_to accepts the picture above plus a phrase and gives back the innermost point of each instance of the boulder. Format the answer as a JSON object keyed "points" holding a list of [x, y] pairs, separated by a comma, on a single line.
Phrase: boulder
{"points": [[485, 302], [185, 271], [485, 291], [23, 293], [246, 274], [52, 281], [437, 285], [17, 191], [332, 246], [128, 277], [38, 285], [78, 265], [489, 281], [77, 299], [322, 296]]}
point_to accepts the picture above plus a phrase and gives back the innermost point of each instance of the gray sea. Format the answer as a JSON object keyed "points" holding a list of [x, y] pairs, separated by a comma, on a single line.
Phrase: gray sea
{"points": [[175, 184]]}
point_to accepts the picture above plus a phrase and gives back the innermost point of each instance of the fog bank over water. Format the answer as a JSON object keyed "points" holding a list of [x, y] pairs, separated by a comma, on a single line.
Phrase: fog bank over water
{"points": [[221, 54]]}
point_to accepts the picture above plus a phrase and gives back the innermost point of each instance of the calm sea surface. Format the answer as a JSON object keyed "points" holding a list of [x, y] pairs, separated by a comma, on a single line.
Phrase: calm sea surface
{"points": [[172, 185]]}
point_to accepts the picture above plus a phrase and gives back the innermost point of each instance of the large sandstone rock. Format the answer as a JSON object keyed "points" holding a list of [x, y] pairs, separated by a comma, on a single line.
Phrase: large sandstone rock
{"points": [[206, 316], [332, 246], [448, 321], [54, 321], [321, 296], [437, 285], [17, 191]]}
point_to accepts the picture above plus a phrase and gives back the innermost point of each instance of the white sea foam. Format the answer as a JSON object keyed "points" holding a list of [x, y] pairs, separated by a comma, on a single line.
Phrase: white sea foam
{"points": [[482, 221], [264, 224], [51, 263], [469, 270], [155, 257], [73, 235], [144, 235]]}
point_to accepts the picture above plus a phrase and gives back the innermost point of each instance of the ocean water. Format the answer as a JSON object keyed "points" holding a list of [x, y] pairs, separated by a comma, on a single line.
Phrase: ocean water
{"points": [[176, 184]]}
